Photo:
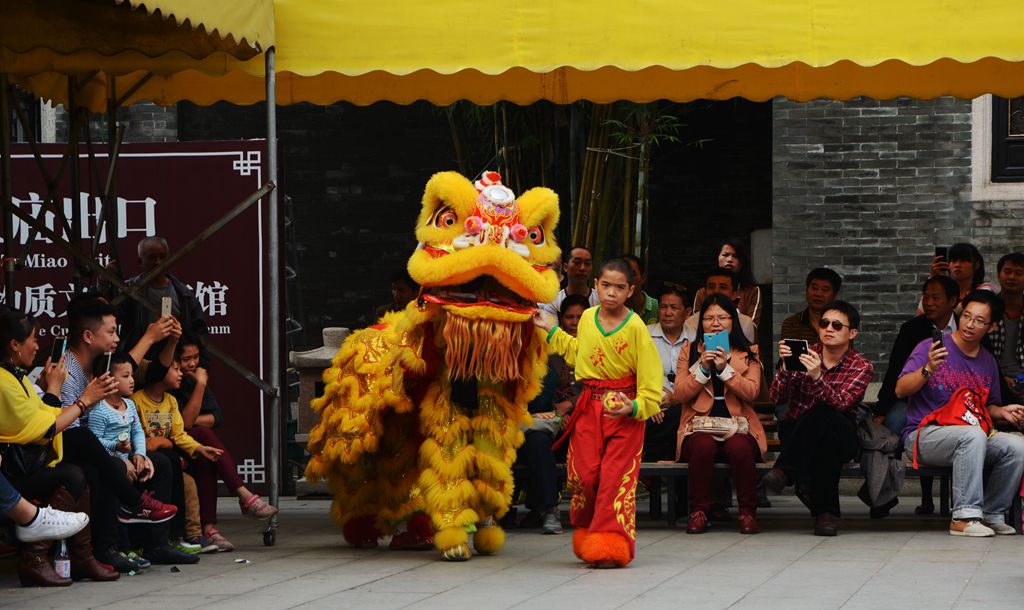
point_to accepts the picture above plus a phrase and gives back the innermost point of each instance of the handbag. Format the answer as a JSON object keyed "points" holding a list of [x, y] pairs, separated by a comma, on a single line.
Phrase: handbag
{"points": [[966, 407], [22, 461], [720, 428]]}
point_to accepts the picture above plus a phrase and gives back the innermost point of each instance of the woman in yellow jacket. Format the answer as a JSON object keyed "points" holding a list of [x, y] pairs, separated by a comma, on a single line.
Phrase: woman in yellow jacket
{"points": [[720, 384], [44, 458]]}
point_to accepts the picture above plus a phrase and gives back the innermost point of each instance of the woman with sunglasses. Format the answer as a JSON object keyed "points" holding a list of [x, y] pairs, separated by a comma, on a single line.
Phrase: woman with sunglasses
{"points": [[734, 256], [819, 431], [719, 383]]}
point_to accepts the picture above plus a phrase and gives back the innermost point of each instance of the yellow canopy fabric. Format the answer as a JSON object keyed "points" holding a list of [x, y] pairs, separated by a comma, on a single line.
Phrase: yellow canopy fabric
{"points": [[606, 50], [248, 22]]}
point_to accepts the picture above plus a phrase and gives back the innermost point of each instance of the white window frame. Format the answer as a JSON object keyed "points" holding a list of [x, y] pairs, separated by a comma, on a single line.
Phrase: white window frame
{"points": [[982, 187]]}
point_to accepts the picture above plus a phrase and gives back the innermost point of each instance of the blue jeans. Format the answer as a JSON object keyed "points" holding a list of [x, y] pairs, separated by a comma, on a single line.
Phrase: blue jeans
{"points": [[9, 496], [970, 453], [896, 418]]}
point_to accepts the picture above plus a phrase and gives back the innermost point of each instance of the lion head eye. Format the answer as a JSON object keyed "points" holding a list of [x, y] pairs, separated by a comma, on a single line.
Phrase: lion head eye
{"points": [[445, 217], [536, 235]]}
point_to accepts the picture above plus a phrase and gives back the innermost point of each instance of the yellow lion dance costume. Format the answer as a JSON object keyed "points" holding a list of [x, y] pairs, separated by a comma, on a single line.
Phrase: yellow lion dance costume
{"points": [[420, 417]]}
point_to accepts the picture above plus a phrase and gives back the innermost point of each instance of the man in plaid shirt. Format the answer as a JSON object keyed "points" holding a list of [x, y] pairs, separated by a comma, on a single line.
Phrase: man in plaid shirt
{"points": [[819, 429]]}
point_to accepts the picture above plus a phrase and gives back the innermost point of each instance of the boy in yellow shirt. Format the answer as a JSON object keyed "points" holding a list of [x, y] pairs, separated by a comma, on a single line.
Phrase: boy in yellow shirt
{"points": [[615, 359]]}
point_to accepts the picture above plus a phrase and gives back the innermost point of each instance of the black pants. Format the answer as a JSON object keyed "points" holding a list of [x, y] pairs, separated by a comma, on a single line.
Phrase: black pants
{"points": [[539, 476], [660, 439], [42, 483], [172, 488], [814, 449]]}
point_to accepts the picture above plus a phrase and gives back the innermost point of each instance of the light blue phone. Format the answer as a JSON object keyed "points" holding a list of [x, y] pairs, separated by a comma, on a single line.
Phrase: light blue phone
{"points": [[713, 341]]}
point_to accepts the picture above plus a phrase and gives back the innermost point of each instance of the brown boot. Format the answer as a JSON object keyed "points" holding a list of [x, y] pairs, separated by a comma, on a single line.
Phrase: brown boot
{"points": [[35, 566], [83, 564]]}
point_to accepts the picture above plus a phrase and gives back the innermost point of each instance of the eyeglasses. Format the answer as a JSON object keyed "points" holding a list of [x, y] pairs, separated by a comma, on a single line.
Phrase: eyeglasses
{"points": [[967, 320], [836, 324], [719, 319]]}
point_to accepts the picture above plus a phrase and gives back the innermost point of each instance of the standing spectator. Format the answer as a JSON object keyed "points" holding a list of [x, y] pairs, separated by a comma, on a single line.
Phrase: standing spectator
{"points": [[1004, 339], [734, 256], [818, 431], [967, 268], [719, 281], [136, 319], [640, 302], [988, 467], [577, 272], [821, 288], [667, 334], [715, 383]]}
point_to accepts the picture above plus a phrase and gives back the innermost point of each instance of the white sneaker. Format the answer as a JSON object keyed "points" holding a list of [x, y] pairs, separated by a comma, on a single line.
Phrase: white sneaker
{"points": [[1001, 529], [973, 528], [52, 524]]}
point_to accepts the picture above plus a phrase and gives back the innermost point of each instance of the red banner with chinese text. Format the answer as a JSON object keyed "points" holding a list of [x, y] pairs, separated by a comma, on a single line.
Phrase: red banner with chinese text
{"points": [[173, 190]]}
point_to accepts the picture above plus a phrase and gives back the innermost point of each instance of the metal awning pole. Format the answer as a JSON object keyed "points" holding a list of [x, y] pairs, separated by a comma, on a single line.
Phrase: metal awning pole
{"points": [[275, 297], [7, 190], [76, 196]]}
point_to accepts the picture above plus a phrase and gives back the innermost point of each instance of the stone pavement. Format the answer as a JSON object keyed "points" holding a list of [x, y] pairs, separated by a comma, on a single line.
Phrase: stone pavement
{"points": [[901, 562]]}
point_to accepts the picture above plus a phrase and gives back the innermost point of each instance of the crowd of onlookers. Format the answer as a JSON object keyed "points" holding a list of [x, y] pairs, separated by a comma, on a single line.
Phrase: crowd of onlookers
{"points": [[949, 397], [111, 456]]}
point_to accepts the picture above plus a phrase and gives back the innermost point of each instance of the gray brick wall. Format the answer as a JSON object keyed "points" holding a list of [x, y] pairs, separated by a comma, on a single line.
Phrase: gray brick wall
{"points": [[143, 122], [869, 188]]}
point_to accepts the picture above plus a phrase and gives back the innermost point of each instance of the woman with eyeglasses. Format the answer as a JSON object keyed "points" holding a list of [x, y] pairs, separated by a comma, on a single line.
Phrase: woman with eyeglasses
{"points": [[734, 256], [720, 383]]}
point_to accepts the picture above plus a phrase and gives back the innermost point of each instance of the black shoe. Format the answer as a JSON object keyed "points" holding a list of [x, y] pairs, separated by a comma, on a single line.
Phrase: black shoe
{"points": [[116, 561], [775, 480], [826, 524], [167, 555]]}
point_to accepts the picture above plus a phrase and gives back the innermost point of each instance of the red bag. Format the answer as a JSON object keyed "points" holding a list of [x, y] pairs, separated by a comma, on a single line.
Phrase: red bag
{"points": [[966, 407]]}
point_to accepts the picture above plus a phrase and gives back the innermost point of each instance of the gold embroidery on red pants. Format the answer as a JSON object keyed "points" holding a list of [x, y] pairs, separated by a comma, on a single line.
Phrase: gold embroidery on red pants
{"points": [[625, 499], [573, 484]]}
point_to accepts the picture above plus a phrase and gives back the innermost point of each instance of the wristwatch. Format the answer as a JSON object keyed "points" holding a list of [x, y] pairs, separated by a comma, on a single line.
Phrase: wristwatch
{"points": [[925, 372]]}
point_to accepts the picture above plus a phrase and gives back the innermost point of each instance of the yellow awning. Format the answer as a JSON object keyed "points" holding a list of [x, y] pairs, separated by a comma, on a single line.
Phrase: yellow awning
{"points": [[601, 50]]}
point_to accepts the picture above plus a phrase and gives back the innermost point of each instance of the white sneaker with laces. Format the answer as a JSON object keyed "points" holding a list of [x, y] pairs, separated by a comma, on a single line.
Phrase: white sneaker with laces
{"points": [[972, 528], [52, 524], [1001, 528]]}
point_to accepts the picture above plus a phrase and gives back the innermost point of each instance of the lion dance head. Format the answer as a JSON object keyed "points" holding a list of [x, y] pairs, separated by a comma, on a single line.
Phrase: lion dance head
{"points": [[485, 257]]}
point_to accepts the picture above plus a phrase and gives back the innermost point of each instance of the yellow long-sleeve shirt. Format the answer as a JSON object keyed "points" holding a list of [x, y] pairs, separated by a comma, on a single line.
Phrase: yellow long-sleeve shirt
{"points": [[596, 353], [163, 419]]}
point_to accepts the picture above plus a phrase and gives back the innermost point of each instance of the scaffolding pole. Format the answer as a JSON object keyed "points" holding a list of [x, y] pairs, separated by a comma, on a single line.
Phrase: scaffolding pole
{"points": [[7, 190], [270, 535]]}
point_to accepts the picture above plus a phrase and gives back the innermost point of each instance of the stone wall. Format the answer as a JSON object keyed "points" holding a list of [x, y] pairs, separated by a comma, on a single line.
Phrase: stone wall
{"points": [[869, 188]]}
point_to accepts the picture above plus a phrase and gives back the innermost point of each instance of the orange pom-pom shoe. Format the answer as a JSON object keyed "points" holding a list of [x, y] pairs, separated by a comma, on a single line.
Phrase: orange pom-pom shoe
{"points": [[604, 550]]}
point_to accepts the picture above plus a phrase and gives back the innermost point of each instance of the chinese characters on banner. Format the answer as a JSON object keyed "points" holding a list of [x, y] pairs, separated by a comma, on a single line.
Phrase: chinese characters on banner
{"points": [[173, 190]]}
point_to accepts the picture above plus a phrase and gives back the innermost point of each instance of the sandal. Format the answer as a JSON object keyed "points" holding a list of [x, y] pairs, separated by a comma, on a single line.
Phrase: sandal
{"points": [[257, 508]]}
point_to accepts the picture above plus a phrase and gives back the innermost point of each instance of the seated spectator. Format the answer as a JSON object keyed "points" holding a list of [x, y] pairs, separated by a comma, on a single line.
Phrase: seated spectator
{"points": [[37, 523], [50, 465], [137, 320], [578, 281], [940, 295], [725, 385], [1004, 340], [818, 431], [724, 282], [93, 333], [403, 290], [967, 268], [208, 458], [734, 256], [639, 301], [821, 288], [988, 466], [660, 434], [538, 474], [199, 406]]}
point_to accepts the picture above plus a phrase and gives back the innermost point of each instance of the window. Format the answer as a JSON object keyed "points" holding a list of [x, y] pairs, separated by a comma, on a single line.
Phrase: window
{"points": [[1007, 139]]}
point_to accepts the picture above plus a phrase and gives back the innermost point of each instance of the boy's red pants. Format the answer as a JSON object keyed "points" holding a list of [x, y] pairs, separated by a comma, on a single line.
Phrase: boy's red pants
{"points": [[604, 463]]}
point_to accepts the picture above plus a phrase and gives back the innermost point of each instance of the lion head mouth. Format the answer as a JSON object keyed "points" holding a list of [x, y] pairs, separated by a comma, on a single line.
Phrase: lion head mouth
{"points": [[484, 291]]}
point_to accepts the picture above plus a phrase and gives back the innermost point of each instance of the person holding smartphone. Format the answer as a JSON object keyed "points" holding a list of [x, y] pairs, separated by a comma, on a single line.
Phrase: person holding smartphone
{"points": [[963, 263], [819, 431], [720, 383]]}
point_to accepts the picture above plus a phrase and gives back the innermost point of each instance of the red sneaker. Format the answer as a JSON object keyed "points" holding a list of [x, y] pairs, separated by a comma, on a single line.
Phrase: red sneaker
{"points": [[149, 510], [698, 522]]}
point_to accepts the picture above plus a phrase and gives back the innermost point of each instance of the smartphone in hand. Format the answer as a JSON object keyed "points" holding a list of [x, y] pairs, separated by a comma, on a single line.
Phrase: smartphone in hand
{"points": [[798, 347], [713, 341], [166, 305], [936, 336], [60, 345], [942, 252]]}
